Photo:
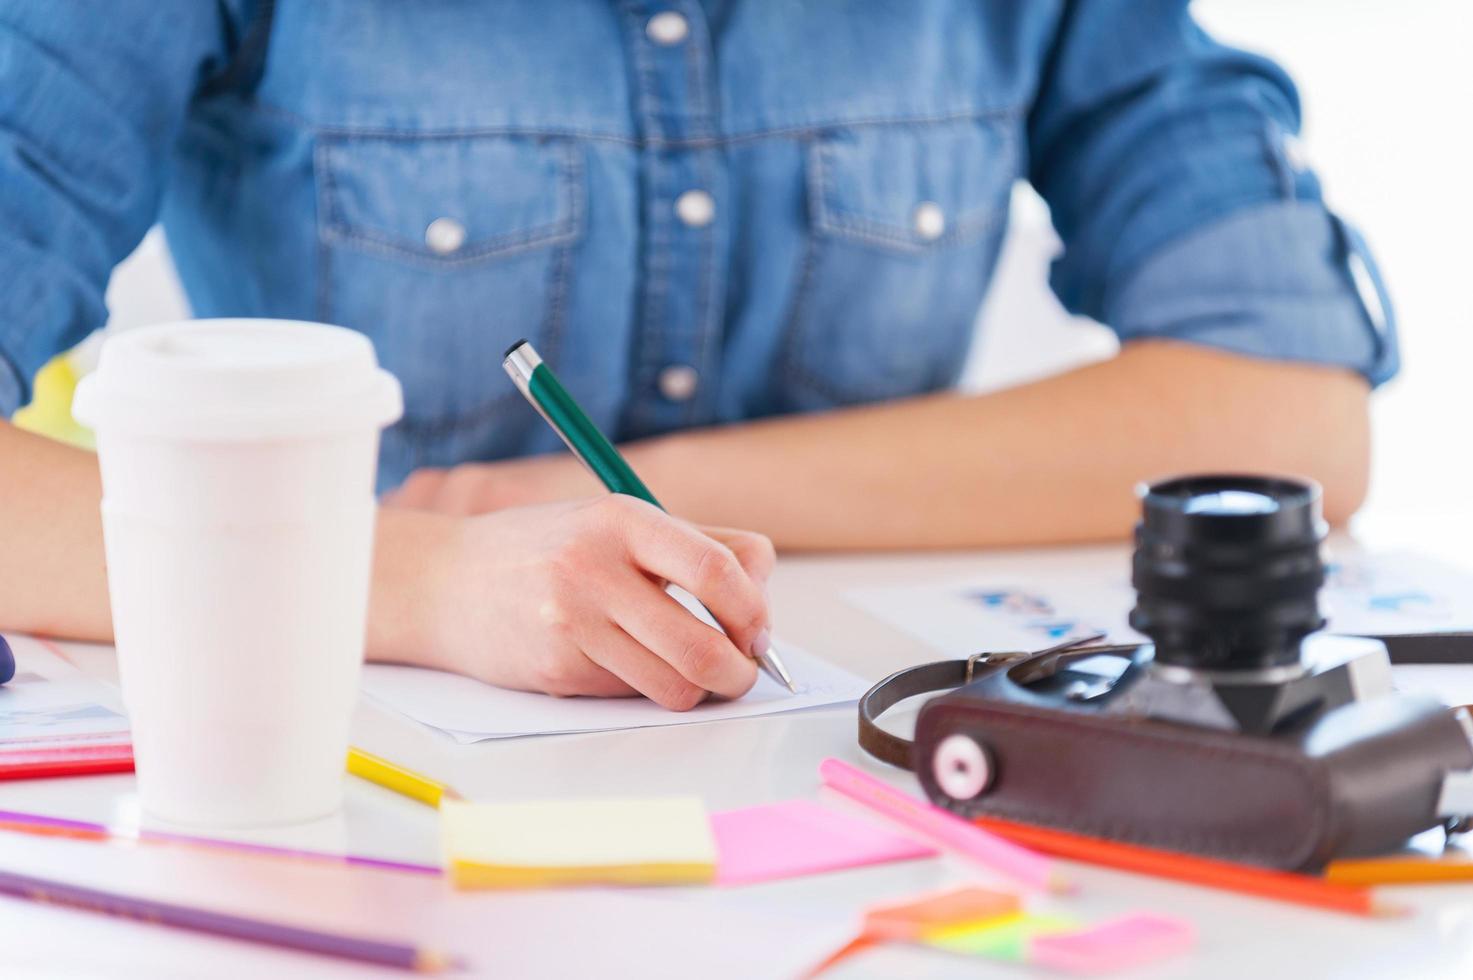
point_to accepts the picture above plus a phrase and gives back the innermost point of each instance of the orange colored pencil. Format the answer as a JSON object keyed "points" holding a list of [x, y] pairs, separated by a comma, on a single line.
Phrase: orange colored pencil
{"points": [[1283, 886], [72, 833], [1401, 871]]}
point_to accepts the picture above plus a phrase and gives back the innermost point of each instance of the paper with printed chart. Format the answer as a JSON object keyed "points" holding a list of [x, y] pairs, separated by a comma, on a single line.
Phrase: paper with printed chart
{"points": [[469, 711], [1035, 599], [49, 704]]}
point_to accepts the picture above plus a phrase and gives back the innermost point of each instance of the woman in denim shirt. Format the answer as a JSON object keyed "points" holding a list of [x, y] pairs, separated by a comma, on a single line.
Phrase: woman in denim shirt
{"points": [[751, 235]]}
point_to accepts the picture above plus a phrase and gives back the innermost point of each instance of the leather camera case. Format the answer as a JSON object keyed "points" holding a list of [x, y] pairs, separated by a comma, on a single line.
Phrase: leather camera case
{"points": [[1359, 780]]}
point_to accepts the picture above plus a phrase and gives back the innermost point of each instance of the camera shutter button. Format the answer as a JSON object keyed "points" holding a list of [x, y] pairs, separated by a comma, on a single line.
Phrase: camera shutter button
{"points": [[962, 767]]}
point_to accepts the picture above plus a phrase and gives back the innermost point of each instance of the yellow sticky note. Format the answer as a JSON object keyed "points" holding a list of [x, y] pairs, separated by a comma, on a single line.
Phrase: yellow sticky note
{"points": [[567, 842]]}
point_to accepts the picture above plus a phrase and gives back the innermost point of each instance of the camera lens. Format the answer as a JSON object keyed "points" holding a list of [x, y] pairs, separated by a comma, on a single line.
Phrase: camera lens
{"points": [[1227, 570]]}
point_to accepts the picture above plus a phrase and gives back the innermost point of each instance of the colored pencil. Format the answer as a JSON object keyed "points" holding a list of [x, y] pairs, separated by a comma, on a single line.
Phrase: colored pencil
{"points": [[41, 825], [1400, 871], [1284, 886], [78, 760], [400, 955], [392, 776], [991, 850], [97, 759]]}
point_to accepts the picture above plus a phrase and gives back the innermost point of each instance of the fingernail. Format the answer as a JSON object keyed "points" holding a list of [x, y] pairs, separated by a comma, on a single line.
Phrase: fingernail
{"points": [[762, 643]]}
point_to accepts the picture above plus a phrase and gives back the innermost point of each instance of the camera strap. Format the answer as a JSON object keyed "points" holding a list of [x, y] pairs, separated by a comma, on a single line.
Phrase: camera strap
{"points": [[909, 682]]}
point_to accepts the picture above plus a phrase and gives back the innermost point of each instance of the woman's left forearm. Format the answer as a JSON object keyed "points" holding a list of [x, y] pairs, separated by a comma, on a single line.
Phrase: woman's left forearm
{"points": [[1049, 462]]}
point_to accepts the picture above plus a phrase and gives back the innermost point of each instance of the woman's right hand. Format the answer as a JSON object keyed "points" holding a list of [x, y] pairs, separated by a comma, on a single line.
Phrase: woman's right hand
{"points": [[569, 599]]}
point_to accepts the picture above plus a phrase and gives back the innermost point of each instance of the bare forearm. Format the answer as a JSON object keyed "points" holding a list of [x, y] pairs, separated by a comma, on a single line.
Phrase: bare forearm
{"points": [[53, 578], [1049, 462]]}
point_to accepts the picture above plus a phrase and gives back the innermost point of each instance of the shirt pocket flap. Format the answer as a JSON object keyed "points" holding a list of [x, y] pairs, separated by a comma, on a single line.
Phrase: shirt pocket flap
{"points": [[448, 200], [912, 188]]}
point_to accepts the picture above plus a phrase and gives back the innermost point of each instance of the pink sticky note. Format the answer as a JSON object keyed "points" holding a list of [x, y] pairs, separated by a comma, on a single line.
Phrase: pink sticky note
{"points": [[800, 837], [1117, 944]]}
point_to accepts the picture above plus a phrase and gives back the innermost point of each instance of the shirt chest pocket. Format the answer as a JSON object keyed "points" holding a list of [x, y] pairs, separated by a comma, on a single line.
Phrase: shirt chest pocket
{"points": [[446, 251], [905, 223]]}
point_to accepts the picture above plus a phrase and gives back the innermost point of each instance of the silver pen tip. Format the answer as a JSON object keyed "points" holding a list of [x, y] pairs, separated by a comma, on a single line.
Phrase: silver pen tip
{"points": [[779, 673]]}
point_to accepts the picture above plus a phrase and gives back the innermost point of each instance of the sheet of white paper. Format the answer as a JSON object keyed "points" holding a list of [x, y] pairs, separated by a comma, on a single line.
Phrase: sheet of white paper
{"points": [[1031, 600], [1448, 683], [51, 704], [469, 711]]}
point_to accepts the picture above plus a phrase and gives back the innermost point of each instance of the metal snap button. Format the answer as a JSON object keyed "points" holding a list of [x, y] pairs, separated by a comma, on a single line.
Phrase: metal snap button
{"points": [[667, 28], [929, 221], [444, 235], [695, 208], [678, 382]]}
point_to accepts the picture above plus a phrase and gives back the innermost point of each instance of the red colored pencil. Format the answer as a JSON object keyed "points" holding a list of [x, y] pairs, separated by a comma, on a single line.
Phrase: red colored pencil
{"points": [[82, 760]]}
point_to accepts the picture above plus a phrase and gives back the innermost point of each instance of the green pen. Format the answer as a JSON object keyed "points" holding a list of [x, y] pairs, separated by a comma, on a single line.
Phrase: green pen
{"points": [[541, 387]]}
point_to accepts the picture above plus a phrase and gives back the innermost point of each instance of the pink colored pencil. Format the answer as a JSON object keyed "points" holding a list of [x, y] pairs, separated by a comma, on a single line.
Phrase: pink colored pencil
{"points": [[1001, 855]]}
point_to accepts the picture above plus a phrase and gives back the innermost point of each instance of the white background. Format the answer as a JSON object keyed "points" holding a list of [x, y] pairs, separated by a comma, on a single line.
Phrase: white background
{"points": [[1385, 87]]}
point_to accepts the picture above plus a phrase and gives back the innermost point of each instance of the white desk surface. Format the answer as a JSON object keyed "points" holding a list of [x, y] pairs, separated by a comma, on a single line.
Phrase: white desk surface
{"points": [[765, 930]]}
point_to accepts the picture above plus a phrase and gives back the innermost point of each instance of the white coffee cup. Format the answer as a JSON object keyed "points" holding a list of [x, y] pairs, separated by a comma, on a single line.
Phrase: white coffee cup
{"points": [[238, 461]]}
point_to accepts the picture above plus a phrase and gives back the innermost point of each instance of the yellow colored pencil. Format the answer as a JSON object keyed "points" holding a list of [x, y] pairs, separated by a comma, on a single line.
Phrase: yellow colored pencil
{"points": [[1400, 871], [375, 769]]}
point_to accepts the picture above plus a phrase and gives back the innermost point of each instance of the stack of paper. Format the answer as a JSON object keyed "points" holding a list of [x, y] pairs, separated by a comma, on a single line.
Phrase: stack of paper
{"points": [[469, 711], [55, 720], [622, 842]]}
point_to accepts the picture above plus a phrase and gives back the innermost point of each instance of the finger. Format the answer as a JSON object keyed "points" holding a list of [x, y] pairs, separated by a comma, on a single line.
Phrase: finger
{"points": [[676, 552], [635, 666], [594, 681], [753, 550], [701, 654], [418, 491], [570, 673]]}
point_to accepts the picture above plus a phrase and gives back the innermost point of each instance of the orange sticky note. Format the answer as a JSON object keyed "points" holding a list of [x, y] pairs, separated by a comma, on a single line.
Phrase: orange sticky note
{"points": [[960, 906]]}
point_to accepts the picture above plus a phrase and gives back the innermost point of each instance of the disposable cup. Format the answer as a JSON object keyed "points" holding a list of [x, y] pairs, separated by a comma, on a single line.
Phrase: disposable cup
{"points": [[238, 461]]}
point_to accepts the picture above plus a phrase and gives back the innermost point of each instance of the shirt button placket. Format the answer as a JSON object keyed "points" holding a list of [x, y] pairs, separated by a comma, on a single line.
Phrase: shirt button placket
{"points": [[681, 276]]}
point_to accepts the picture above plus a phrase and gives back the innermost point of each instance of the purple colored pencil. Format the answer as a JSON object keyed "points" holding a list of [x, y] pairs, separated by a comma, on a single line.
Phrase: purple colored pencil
{"points": [[160, 837], [374, 951]]}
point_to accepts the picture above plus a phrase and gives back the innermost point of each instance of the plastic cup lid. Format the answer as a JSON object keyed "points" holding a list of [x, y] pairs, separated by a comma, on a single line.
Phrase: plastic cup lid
{"points": [[237, 380]]}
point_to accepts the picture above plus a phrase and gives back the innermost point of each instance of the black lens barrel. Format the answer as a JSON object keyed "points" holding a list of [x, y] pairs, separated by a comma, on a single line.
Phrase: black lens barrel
{"points": [[1227, 570]]}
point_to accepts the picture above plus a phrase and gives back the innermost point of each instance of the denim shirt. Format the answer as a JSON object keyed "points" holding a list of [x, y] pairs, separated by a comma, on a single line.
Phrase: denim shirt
{"points": [[698, 212]]}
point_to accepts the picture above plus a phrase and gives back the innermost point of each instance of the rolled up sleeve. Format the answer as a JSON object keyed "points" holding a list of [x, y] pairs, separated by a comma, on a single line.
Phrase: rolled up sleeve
{"points": [[92, 97], [1286, 281], [1170, 167]]}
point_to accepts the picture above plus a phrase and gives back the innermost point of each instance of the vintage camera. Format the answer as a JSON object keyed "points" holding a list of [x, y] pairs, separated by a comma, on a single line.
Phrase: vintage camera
{"points": [[1241, 732]]}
